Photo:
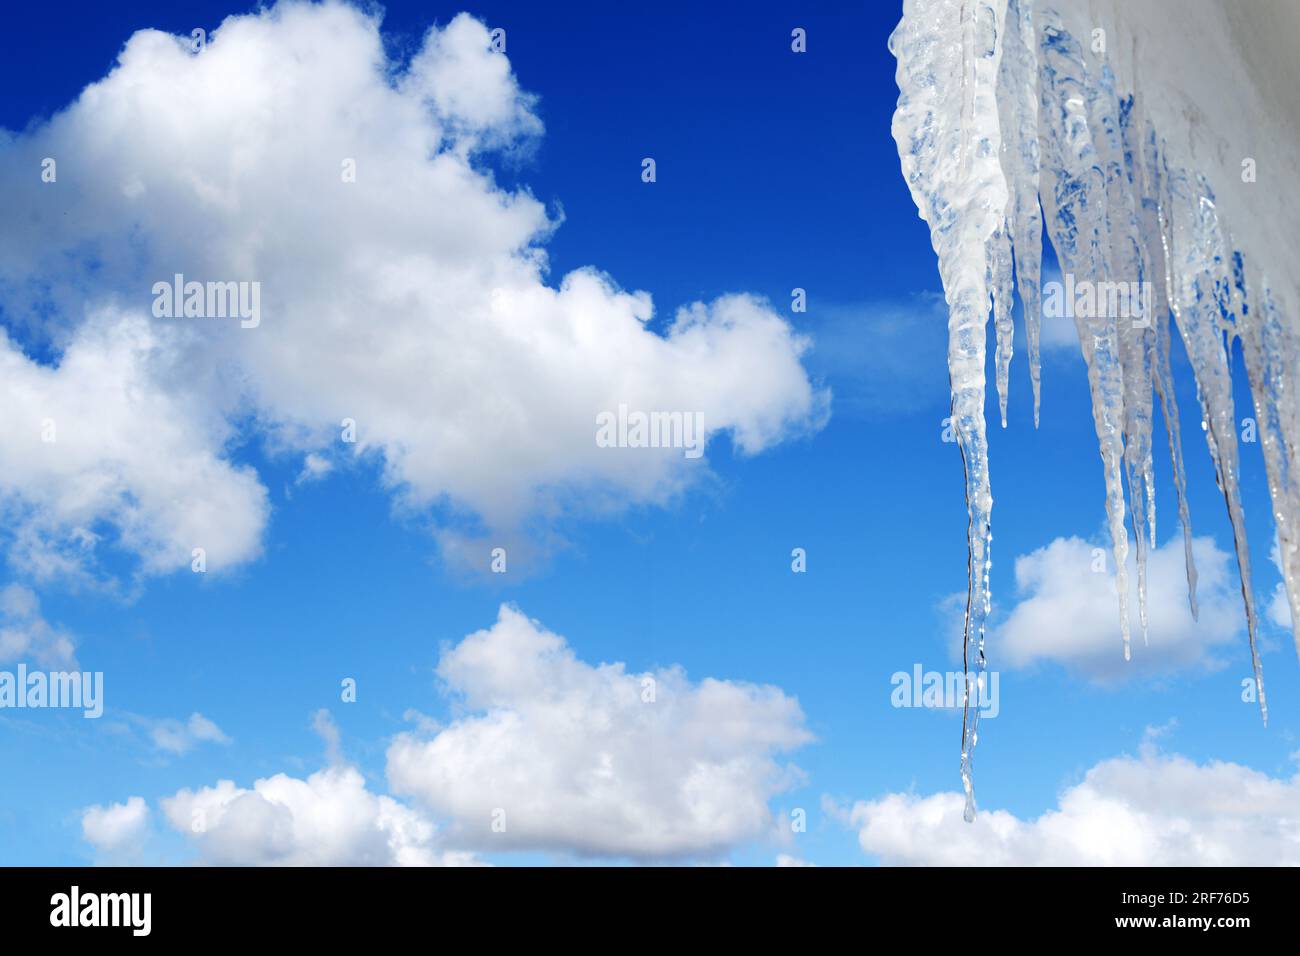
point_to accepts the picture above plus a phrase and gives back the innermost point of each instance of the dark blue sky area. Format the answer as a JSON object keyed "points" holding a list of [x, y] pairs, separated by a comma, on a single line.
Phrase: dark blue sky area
{"points": [[769, 163]]}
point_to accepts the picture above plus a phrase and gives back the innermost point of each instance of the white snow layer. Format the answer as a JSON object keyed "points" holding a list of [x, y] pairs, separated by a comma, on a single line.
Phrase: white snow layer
{"points": [[1160, 139]]}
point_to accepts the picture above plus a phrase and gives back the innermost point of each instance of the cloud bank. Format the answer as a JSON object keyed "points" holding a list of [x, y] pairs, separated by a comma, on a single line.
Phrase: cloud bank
{"points": [[1151, 810]]}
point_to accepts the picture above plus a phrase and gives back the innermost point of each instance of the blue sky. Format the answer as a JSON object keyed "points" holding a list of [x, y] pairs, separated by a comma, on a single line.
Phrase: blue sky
{"points": [[775, 171]]}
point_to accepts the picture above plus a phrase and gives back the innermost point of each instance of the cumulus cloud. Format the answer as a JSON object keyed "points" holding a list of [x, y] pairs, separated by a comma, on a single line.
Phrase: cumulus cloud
{"points": [[548, 752], [328, 819], [1067, 613], [26, 636], [1151, 810], [470, 87], [110, 439], [563, 755], [412, 299], [116, 827]]}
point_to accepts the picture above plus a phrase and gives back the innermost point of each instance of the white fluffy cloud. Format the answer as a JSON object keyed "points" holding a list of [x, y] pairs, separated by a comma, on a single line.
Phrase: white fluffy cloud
{"points": [[570, 757], [26, 636], [593, 759], [414, 300], [328, 819], [116, 827], [1152, 810], [1067, 613], [110, 438]]}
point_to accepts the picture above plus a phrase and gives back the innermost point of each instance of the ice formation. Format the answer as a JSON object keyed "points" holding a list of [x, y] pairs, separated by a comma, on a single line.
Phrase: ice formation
{"points": [[1091, 113]]}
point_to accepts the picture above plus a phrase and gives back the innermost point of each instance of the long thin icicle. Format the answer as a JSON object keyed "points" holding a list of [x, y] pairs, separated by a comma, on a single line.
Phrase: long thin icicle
{"points": [[1267, 348], [1266, 345], [1112, 120], [1201, 276], [1154, 244], [946, 128]]}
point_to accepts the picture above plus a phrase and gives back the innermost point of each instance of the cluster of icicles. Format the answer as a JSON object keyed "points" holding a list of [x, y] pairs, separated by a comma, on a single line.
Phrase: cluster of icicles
{"points": [[1001, 108]]}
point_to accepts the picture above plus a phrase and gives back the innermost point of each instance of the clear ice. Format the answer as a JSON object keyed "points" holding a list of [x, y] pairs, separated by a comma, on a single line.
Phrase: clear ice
{"points": [[1007, 124]]}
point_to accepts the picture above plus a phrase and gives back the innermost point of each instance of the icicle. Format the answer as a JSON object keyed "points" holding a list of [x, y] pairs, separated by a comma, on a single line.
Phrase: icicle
{"points": [[991, 128], [1164, 381], [1156, 244], [1132, 309], [1074, 205], [946, 128], [1018, 117], [1201, 275], [999, 279], [1266, 344]]}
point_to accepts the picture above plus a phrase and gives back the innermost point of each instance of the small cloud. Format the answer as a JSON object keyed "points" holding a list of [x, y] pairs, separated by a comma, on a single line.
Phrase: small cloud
{"points": [[116, 827], [314, 467], [26, 635], [423, 722], [175, 737], [1279, 608], [323, 724], [1067, 611]]}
